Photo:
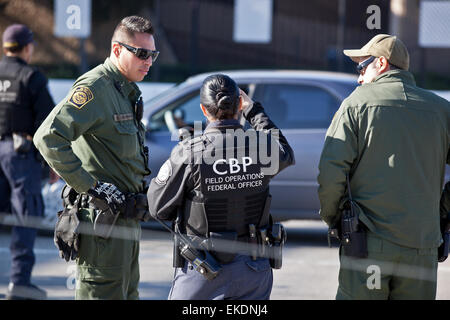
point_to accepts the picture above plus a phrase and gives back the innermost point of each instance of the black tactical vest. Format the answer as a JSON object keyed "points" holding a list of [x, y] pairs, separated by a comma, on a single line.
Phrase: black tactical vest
{"points": [[230, 190], [15, 100]]}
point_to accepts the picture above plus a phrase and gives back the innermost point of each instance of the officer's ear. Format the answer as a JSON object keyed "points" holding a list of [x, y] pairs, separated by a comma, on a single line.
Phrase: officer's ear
{"points": [[205, 113], [116, 49], [382, 64], [240, 103]]}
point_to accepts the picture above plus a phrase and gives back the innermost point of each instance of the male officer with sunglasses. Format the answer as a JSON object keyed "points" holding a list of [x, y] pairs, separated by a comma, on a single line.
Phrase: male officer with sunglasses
{"points": [[94, 139], [391, 138]]}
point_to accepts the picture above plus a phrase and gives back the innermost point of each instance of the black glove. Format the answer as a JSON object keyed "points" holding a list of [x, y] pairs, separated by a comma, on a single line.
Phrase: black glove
{"points": [[106, 196], [66, 236]]}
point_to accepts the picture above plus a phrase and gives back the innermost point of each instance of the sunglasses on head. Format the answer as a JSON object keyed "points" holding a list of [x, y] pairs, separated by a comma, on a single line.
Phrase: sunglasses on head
{"points": [[141, 53], [363, 65]]}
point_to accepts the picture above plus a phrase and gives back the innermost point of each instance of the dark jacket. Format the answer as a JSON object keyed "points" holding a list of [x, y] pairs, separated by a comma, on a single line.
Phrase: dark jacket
{"points": [[392, 138], [24, 97], [218, 184]]}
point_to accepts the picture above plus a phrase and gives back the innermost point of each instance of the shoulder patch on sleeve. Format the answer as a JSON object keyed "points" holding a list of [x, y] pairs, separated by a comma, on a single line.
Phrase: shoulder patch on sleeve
{"points": [[80, 97], [164, 173]]}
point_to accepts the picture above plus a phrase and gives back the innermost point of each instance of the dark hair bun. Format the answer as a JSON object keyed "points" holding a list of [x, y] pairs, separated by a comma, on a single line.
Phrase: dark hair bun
{"points": [[224, 102], [219, 94]]}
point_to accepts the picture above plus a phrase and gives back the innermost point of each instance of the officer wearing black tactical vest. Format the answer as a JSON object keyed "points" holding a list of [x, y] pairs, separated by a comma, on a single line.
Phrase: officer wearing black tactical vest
{"points": [[215, 187], [24, 104]]}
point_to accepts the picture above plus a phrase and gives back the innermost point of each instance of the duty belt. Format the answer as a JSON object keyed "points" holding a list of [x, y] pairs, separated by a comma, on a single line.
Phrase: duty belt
{"points": [[136, 206]]}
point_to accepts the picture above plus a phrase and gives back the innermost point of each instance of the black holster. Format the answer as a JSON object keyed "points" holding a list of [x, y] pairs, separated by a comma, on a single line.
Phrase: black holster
{"points": [[136, 207], [272, 237], [277, 238], [104, 217], [353, 234], [349, 230], [178, 260]]}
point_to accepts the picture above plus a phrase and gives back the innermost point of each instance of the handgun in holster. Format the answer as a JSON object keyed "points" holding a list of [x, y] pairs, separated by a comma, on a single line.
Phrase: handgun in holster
{"points": [[257, 234], [350, 230], [278, 237], [104, 223], [105, 218], [349, 223], [264, 229], [269, 237]]}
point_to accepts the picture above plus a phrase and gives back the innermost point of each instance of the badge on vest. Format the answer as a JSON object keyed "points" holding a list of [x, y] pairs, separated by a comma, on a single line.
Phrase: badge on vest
{"points": [[164, 173], [80, 97]]}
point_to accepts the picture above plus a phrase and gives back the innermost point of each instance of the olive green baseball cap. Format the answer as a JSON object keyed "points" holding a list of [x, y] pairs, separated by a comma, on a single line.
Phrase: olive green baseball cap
{"points": [[383, 45]]}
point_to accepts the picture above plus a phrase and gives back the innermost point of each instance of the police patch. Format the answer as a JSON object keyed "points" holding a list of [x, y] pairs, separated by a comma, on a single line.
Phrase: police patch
{"points": [[80, 97], [164, 173]]}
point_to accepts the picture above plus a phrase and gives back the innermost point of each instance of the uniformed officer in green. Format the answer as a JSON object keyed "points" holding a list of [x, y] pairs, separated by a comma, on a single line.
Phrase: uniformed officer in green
{"points": [[392, 139], [94, 140]]}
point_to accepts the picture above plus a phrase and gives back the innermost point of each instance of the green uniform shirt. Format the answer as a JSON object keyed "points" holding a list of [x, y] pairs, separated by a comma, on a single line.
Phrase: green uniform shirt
{"points": [[93, 133], [393, 139]]}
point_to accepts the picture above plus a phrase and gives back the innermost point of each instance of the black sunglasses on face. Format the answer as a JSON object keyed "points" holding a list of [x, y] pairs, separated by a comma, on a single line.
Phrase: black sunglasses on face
{"points": [[141, 53], [363, 65]]}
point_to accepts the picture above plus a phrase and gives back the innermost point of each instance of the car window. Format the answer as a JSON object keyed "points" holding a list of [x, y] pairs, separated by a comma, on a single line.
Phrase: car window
{"points": [[294, 106], [189, 110], [344, 88], [185, 111]]}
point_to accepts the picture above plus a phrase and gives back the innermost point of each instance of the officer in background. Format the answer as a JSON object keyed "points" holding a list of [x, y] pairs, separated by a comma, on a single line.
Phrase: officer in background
{"points": [[215, 188], [24, 104], [391, 139], [94, 139]]}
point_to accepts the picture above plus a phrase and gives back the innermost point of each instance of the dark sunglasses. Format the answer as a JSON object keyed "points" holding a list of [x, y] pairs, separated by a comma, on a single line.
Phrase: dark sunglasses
{"points": [[363, 65], [141, 53]]}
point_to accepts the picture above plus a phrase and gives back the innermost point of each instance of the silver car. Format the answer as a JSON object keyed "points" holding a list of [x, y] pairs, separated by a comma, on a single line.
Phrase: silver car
{"points": [[300, 103]]}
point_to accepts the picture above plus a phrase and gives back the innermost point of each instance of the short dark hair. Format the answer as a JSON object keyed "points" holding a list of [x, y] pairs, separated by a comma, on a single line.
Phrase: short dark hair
{"points": [[128, 26], [219, 94]]}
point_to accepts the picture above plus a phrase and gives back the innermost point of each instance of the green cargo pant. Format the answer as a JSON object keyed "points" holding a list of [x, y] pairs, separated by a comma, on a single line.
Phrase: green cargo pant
{"points": [[108, 268], [389, 272]]}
